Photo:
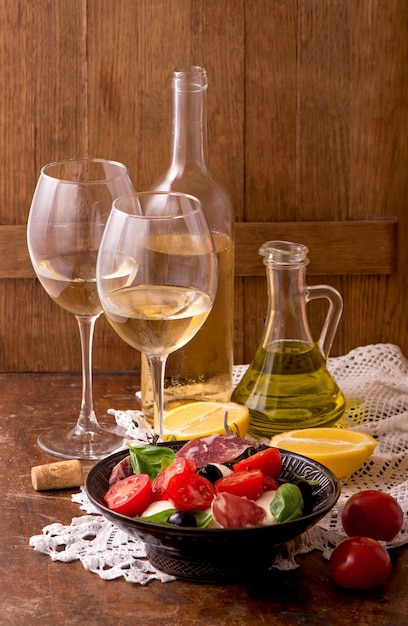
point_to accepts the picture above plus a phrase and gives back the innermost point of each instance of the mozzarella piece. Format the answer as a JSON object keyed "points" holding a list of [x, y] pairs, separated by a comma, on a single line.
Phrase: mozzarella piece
{"points": [[225, 471], [157, 507], [264, 502]]}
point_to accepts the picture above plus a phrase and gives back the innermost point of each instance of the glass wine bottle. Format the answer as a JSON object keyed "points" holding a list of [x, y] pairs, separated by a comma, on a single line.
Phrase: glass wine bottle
{"points": [[202, 370]]}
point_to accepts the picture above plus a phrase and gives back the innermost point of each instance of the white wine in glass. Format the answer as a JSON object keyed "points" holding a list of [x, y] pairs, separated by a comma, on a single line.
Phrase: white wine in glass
{"points": [[68, 213], [157, 277]]}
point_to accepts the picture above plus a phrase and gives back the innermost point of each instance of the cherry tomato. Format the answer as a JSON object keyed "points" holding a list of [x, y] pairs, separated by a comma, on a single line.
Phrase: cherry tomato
{"points": [[249, 484], [360, 563], [190, 492], [270, 484], [131, 495], [160, 483], [269, 461], [374, 514]]}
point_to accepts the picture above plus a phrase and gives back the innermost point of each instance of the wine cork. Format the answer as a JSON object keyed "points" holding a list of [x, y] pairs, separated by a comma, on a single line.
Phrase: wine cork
{"points": [[60, 475]]}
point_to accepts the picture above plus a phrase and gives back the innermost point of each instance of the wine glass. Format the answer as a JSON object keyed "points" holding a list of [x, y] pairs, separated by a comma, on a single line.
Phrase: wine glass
{"points": [[157, 277], [68, 213]]}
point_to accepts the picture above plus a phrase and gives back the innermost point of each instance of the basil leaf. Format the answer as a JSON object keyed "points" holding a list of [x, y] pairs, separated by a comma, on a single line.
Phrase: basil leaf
{"points": [[159, 518], [288, 503], [203, 519], [150, 460]]}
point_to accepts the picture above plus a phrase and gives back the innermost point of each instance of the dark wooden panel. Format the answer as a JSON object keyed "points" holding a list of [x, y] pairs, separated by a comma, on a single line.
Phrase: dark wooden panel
{"points": [[342, 157], [270, 111], [132, 52], [43, 95], [323, 111], [14, 259], [379, 154], [335, 247], [308, 119], [43, 110]]}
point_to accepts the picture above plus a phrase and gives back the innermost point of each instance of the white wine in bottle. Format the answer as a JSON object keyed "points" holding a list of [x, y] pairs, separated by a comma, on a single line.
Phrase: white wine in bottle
{"points": [[202, 369]]}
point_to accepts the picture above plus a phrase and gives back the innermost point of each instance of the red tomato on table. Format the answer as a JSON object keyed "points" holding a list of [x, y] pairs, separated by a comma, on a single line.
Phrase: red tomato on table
{"points": [[130, 496], [269, 461], [248, 484], [374, 514], [360, 563]]}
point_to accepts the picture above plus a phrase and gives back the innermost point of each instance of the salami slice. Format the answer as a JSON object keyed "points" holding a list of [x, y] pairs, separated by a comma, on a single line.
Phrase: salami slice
{"points": [[214, 449], [232, 511], [123, 469]]}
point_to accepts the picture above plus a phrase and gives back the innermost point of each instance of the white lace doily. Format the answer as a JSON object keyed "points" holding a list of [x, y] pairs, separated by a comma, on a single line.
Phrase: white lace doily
{"points": [[374, 380]]}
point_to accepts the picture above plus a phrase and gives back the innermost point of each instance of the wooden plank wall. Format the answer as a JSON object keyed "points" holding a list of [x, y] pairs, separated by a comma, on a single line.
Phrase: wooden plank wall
{"points": [[308, 127]]}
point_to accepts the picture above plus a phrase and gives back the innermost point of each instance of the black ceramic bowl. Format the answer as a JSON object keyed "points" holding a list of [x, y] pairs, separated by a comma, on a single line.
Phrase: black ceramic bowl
{"points": [[218, 555]]}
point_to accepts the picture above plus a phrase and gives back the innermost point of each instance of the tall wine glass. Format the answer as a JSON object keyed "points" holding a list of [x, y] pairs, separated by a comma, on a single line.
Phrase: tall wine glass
{"points": [[68, 213], [157, 277]]}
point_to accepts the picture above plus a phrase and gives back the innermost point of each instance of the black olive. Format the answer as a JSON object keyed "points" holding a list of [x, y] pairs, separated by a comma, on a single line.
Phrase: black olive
{"points": [[210, 472], [182, 518], [308, 493]]}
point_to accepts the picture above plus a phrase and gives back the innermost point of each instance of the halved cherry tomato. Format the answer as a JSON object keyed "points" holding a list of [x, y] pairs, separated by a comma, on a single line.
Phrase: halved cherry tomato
{"points": [[190, 492], [160, 483], [249, 484], [374, 514], [131, 495], [270, 484], [269, 461], [360, 563]]}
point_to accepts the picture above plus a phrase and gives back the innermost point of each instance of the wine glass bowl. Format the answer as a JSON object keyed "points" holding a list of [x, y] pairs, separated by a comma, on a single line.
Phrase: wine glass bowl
{"points": [[68, 213], [157, 276]]}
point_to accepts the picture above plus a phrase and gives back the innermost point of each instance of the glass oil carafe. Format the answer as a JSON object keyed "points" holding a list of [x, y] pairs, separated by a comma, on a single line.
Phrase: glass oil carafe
{"points": [[287, 386], [202, 369]]}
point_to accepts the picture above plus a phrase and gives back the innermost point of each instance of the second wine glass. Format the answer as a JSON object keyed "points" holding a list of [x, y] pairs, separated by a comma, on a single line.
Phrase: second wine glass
{"points": [[157, 277]]}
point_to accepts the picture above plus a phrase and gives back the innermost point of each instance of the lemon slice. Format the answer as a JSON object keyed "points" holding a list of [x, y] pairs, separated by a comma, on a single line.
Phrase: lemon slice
{"points": [[199, 419], [342, 451]]}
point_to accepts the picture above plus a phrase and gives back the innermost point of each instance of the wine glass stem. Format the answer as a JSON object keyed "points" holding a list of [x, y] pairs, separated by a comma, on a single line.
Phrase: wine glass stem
{"points": [[157, 368], [87, 419]]}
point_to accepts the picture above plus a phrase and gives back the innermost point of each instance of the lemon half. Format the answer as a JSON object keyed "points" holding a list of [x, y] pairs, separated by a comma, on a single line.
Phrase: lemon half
{"points": [[342, 451], [199, 419]]}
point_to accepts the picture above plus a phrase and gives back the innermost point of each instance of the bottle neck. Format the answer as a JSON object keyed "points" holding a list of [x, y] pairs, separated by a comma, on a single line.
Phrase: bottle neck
{"points": [[189, 140], [286, 318]]}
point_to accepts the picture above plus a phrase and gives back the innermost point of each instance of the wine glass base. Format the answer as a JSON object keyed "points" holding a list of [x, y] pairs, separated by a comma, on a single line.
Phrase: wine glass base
{"points": [[68, 443]]}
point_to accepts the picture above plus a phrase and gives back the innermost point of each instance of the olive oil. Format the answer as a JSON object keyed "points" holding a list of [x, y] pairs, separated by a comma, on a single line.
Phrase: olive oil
{"points": [[288, 386]]}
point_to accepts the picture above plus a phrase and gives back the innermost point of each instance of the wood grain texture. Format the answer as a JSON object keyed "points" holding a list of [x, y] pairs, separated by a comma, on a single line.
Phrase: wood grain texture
{"points": [[37, 591], [308, 119], [338, 247], [334, 247], [323, 113], [132, 52], [43, 117]]}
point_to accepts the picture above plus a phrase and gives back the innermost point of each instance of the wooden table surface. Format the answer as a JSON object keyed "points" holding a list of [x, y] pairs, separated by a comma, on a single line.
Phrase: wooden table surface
{"points": [[36, 590]]}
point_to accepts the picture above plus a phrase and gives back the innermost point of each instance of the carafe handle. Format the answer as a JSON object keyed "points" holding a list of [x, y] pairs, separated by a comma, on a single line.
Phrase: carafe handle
{"points": [[333, 316]]}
